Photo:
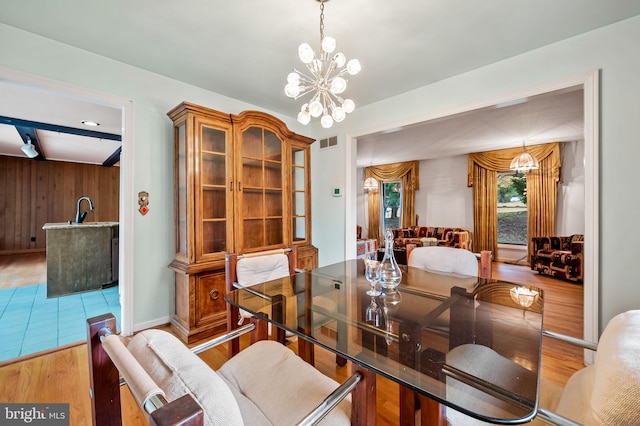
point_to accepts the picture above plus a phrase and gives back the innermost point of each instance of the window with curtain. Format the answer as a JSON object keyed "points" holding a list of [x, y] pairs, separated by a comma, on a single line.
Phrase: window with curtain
{"points": [[541, 192], [512, 209], [407, 174], [391, 205]]}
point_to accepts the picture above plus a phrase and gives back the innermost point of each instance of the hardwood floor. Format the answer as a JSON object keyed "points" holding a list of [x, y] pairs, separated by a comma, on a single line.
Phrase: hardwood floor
{"points": [[62, 376], [17, 270]]}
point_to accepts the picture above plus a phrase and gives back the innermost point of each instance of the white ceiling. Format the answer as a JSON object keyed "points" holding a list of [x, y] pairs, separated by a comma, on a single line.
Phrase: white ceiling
{"points": [[551, 117], [245, 48], [22, 102]]}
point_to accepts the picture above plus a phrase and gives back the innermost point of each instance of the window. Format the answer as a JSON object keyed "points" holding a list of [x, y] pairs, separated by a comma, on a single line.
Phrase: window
{"points": [[512, 209], [391, 205]]}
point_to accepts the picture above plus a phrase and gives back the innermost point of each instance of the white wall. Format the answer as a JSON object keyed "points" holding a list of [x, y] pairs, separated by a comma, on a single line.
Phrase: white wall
{"points": [[570, 208], [444, 198], [613, 50]]}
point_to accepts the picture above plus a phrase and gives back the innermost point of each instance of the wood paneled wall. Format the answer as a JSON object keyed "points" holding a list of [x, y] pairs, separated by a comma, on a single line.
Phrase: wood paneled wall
{"points": [[33, 193]]}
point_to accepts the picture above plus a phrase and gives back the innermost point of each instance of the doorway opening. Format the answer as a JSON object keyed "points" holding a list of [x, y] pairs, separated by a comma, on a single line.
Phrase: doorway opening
{"points": [[119, 297]]}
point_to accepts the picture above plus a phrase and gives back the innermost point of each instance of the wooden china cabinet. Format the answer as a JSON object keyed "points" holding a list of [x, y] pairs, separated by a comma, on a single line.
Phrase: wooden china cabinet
{"points": [[241, 185]]}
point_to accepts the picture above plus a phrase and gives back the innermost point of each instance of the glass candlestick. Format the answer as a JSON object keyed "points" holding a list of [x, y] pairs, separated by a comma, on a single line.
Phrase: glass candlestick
{"points": [[390, 274]]}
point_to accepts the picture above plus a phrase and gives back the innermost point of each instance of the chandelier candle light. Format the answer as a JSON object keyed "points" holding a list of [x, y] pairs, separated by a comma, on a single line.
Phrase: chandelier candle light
{"points": [[325, 80]]}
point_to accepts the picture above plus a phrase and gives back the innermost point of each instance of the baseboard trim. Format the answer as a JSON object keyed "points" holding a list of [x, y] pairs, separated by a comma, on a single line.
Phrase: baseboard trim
{"points": [[151, 324]]}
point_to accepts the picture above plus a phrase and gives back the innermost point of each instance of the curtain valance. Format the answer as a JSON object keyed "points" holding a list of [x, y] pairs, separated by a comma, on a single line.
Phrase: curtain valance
{"points": [[500, 160]]}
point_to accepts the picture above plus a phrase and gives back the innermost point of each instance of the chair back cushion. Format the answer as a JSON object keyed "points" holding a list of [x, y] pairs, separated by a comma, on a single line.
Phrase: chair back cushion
{"points": [[444, 259], [487, 365], [258, 269], [178, 372], [608, 392]]}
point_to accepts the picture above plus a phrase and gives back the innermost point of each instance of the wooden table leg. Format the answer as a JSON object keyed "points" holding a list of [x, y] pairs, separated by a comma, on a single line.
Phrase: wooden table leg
{"points": [[431, 412], [408, 405], [363, 398], [306, 350]]}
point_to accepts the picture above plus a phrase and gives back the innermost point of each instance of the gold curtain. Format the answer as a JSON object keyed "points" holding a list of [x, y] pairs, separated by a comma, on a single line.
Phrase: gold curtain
{"points": [[408, 173], [541, 192], [485, 209]]}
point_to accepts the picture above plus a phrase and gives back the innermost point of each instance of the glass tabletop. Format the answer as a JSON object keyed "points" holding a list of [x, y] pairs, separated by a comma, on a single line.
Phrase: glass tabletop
{"points": [[469, 343]]}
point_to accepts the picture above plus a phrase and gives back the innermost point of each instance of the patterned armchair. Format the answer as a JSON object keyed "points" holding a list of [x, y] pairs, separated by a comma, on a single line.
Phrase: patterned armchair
{"points": [[560, 257]]}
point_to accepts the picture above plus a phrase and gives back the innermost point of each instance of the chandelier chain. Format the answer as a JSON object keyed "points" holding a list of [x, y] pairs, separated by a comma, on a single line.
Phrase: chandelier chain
{"points": [[321, 20]]}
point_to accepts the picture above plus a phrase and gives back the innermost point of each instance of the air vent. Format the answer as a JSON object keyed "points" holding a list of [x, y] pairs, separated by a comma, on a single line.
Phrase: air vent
{"points": [[329, 142]]}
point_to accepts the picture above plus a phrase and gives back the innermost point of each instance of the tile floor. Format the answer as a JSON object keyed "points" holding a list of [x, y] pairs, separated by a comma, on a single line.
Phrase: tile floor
{"points": [[29, 322]]}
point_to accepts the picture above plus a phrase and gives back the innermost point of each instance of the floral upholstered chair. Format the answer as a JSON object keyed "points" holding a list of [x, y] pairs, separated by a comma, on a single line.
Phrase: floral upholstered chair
{"points": [[560, 257]]}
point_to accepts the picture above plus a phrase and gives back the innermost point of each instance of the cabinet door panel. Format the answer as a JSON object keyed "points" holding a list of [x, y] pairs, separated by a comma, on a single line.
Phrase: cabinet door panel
{"points": [[274, 232], [272, 147], [252, 142], [261, 200], [253, 233], [213, 224], [300, 197], [210, 292]]}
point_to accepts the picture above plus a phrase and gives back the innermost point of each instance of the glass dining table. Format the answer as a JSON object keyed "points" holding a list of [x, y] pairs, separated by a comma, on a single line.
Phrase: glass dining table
{"points": [[458, 346]]}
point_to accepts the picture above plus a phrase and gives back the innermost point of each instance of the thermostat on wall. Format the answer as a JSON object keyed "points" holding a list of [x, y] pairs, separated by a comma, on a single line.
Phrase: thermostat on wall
{"points": [[336, 192]]}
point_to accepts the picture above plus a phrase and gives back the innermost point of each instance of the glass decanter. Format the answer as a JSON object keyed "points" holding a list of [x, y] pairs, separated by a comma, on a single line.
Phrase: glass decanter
{"points": [[390, 274]]}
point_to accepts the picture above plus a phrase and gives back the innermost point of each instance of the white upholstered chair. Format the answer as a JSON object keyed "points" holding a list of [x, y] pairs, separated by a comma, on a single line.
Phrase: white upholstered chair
{"points": [[604, 393], [249, 269], [265, 384], [608, 391], [444, 259]]}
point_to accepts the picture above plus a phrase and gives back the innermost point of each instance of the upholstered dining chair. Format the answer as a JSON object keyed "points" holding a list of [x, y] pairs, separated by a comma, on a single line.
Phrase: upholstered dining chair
{"points": [[253, 268], [604, 393], [173, 386], [444, 259]]}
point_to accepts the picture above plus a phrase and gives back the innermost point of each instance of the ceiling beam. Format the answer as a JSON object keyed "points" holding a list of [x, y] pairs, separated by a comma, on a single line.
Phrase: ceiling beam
{"points": [[27, 133], [60, 129], [113, 158]]}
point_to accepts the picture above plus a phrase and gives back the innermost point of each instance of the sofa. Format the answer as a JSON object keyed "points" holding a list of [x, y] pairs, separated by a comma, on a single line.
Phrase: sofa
{"points": [[559, 256], [433, 235]]}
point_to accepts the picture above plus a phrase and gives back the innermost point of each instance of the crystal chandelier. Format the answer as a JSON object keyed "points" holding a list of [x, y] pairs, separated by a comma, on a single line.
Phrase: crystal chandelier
{"points": [[325, 80], [524, 162], [370, 184]]}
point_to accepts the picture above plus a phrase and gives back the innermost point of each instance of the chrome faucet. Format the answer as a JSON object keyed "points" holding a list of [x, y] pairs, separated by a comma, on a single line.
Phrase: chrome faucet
{"points": [[81, 215]]}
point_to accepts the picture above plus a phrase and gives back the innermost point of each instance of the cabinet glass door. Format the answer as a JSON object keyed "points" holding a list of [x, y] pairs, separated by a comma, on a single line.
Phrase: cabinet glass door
{"points": [[298, 193], [211, 219], [181, 195], [260, 190]]}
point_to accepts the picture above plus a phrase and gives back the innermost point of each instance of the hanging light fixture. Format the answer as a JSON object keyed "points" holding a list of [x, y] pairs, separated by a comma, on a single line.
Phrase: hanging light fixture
{"points": [[325, 80], [524, 162], [370, 184], [29, 149]]}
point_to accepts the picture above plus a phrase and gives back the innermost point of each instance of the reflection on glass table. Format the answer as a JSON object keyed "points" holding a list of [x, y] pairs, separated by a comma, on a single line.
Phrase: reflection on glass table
{"points": [[458, 340]]}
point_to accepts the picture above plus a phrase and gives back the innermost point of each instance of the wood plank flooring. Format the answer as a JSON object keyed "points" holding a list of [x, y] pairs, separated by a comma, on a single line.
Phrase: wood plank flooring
{"points": [[17, 270], [62, 376]]}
